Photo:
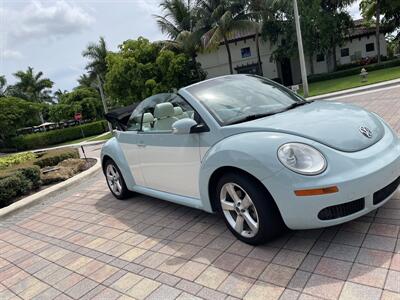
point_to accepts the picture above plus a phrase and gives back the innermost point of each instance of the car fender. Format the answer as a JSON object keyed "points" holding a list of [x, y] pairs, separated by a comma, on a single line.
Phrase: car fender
{"points": [[252, 152], [113, 150]]}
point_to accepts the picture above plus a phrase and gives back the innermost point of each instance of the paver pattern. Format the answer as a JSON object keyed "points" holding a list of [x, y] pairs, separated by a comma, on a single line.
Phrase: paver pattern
{"points": [[88, 245]]}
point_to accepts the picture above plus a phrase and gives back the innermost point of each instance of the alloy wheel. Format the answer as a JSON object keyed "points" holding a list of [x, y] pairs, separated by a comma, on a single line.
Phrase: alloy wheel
{"points": [[114, 179], [239, 210]]}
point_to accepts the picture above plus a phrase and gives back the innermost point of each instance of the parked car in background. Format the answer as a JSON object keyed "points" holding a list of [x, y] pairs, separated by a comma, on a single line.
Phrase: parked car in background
{"points": [[257, 153]]}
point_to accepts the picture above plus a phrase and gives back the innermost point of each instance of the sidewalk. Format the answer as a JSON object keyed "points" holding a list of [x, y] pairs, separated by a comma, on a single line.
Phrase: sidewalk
{"points": [[371, 87]]}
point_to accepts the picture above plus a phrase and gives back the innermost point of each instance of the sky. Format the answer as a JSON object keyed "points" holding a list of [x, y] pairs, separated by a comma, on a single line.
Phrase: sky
{"points": [[50, 35]]}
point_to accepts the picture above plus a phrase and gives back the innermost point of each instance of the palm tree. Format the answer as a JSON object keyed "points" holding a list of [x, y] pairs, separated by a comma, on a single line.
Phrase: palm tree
{"points": [[178, 17], [97, 67], [3, 84], [86, 80], [179, 24], [370, 9], [258, 11], [32, 86], [96, 54], [225, 19]]}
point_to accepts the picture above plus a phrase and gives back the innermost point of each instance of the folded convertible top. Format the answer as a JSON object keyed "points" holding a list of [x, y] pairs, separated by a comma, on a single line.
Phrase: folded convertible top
{"points": [[120, 116]]}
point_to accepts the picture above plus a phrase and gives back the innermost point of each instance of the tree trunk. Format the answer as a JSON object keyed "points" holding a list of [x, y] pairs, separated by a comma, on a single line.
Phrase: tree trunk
{"points": [[103, 100], [377, 29], [310, 57], [196, 67], [258, 53], [228, 50], [334, 58]]}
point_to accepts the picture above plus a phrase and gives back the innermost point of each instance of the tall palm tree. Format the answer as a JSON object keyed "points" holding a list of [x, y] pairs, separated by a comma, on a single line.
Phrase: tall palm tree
{"points": [[370, 9], [179, 24], [3, 84], [97, 67], [260, 10], [178, 17], [96, 53], [225, 19], [33, 86]]}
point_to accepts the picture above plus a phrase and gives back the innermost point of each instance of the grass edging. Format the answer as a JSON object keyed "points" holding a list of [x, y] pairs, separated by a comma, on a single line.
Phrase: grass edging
{"points": [[49, 192]]}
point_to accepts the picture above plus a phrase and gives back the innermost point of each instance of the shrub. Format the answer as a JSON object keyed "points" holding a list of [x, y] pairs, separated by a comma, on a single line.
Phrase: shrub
{"points": [[353, 71], [9, 189], [21, 182], [32, 174], [53, 157], [44, 139], [66, 169], [15, 159]]}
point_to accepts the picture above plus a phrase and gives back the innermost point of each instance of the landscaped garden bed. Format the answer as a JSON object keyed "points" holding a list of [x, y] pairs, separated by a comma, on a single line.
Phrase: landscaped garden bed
{"points": [[25, 173]]}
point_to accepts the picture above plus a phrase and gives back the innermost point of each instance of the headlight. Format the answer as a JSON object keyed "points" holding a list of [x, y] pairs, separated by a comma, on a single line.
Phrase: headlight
{"points": [[302, 158]]}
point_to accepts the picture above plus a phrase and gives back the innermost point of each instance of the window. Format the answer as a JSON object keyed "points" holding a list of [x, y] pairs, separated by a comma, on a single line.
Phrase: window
{"points": [[245, 52], [229, 99], [157, 113], [344, 52], [320, 57], [370, 47]]}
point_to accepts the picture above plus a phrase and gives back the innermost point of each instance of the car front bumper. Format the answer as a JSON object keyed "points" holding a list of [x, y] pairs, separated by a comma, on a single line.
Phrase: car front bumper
{"points": [[358, 176]]}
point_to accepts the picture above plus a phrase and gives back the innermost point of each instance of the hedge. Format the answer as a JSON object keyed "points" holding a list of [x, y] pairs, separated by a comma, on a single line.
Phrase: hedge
{"points": [[353, 71], [54, 157], [18, 184], [44, 139]]}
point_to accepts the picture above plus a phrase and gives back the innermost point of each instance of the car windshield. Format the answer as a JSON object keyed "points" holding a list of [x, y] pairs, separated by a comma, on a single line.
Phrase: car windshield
{"points": [[240, 98]]}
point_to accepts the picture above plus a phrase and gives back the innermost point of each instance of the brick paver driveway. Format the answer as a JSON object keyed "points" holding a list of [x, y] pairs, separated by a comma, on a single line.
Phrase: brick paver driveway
{"points": [[89, 245]]}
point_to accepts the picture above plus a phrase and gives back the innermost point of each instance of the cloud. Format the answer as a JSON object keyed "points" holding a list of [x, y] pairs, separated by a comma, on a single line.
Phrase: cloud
{"points": [[41, 20], [10, 54], [354, 10]]}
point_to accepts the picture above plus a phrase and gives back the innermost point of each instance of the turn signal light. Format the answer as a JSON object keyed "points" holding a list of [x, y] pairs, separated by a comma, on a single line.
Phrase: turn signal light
{"points": [[316, 192]]}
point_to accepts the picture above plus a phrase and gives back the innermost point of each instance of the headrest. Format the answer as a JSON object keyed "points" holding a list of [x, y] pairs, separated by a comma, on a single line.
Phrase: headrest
{"points": [[148, 118], [178, 110], [163, 110]]}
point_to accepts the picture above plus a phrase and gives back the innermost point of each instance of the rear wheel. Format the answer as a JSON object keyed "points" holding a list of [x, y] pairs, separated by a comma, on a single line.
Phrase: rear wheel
{"points": [[115, 181], [248, 209]]}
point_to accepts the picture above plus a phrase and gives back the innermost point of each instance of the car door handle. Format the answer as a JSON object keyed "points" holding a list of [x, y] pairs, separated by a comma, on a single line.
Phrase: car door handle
{"points": [[141, 145]]}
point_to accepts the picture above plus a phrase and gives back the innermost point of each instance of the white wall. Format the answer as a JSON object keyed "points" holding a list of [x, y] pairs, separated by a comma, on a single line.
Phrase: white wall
{"points": [[215, 63], [358, 44]]}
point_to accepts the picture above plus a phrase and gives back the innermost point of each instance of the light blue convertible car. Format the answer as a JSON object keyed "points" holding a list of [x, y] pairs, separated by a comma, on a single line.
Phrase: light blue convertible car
{"points": [[257, 153]]}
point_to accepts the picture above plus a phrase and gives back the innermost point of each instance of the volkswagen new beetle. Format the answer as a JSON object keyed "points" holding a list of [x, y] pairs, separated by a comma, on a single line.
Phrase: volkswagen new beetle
{"points": [[262, 156]]}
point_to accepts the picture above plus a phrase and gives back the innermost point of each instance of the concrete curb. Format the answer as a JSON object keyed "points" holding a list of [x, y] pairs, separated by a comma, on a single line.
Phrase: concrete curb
{"points": [[370, 87], [49, 192]]}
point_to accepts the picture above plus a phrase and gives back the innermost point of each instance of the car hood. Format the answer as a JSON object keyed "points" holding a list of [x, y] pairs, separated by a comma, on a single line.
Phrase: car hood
{"points": [[333, 124]]}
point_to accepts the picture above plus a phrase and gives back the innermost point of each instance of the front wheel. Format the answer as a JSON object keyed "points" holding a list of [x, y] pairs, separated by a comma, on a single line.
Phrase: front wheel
{"points": [[248, 209], [115, 181]]}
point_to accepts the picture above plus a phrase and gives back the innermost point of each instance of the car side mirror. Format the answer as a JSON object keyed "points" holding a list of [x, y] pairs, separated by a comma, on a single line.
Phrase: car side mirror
{"points": [[183, 126]]}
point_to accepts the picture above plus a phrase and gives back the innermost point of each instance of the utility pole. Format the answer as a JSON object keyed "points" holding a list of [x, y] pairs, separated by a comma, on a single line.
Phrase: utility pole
{"points": [[301, 52], [103, 99]]}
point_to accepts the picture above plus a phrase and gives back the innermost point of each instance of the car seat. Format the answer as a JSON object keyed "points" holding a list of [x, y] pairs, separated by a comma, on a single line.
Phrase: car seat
{"points": [[179, 114], [164, 114]]}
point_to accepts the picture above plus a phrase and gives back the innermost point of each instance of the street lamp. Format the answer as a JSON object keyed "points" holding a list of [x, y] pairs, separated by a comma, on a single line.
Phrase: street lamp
{"points": [[301, 52]]}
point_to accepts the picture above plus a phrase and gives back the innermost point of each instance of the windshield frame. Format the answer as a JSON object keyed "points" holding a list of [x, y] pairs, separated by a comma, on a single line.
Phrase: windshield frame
{"points": [[295, 97]]}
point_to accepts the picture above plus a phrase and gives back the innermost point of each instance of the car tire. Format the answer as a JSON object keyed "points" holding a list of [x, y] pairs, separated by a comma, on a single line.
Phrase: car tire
{"points": [[253, 213], [115, 180]]}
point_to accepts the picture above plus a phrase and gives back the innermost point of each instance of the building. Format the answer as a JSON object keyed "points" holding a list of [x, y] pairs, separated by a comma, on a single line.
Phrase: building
{"points": [[361, 44]]}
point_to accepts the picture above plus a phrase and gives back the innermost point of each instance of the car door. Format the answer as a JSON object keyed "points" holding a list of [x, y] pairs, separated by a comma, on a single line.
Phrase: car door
{"points": [[129, 140], [170, 162]]}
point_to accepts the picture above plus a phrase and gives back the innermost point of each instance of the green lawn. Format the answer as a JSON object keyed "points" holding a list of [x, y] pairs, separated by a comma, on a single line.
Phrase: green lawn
{"points": [[343, 83]]}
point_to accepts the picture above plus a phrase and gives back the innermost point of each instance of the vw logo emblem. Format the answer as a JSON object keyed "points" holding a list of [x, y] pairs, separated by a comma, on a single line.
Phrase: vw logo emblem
{"points": [[366, 132]]}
